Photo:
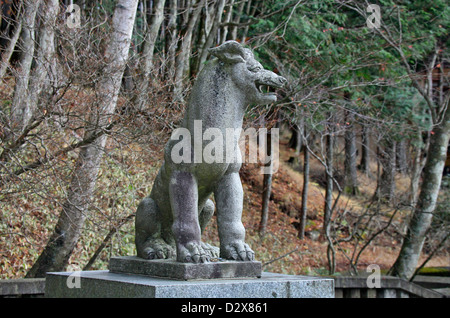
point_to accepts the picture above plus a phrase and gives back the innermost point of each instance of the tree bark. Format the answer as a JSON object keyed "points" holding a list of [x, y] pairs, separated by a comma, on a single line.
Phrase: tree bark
{"points": [[401, 157], [304, 208], [365, 150], [408, 258], [236, 20], [9, 50], [55, 255], [45, 64], [296, 141], [206, 22], [146, 65], [351, 177], [182, 59], [227, 19], [328, 206], [212, 34], [267, 187], [419, 163], [386, 189], [171, 40], [20, 112], [249, 12]]}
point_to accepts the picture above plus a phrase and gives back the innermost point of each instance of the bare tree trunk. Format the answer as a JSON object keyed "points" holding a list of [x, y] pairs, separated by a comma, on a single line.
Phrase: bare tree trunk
{"points": [[267, 187], [386, 190], [213, 33], [419, 163], [182, 59], [249, 12], [401, 157], [45, 64], [365, 150], [408, 258], [328, 206], [295, 142], [71, 221], [415, 177], [20, 112], [351, 177], [7, 53], [304, 208], [236, 20], [171, 40], [227, 19], [146, 64], [206, 22]]}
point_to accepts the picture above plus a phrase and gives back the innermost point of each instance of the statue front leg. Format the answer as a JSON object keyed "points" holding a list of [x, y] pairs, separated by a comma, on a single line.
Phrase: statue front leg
{"points": [[229, 200], [183, 193]]}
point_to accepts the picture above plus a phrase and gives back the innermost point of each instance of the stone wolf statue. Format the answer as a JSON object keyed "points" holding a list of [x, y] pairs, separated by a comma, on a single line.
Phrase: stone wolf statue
{"points": [[170, 221]]}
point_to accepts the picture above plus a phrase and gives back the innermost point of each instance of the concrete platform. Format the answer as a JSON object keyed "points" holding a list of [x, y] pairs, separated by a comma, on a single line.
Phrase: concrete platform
{"points": [[184, 271], [102, 284]]}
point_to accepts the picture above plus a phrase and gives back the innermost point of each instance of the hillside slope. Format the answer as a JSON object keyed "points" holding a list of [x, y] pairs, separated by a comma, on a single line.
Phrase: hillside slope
{"points": [[282, 251]]}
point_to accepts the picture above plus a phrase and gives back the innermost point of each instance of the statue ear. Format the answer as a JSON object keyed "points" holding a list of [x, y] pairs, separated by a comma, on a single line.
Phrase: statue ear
{"points": [[230, 52]]}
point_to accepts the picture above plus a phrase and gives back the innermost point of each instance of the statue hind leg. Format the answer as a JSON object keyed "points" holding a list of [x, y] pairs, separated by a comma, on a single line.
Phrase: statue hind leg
{"points": [[204, 217], [149, 243], [206, 214]]}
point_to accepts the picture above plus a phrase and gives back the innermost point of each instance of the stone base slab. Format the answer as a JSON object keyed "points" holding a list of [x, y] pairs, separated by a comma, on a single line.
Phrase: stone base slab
{"points": [[102, 284], [184, 271]]}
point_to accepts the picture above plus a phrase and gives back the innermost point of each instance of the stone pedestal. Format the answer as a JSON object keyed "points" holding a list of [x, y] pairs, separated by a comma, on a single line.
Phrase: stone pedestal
{"points": [[101, 284], [185, 271], [131, 276]]}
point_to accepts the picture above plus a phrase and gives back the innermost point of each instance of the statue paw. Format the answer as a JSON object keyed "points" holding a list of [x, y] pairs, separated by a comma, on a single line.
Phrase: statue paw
{"points": [[212, 251], [238, 251], [158, 250], [192, 252]]}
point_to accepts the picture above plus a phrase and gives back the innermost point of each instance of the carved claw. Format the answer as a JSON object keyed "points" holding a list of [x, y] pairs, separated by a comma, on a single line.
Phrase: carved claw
{"points": [[212, 251], [159, 250], [159, 253], [192, 252], [238, 251]]}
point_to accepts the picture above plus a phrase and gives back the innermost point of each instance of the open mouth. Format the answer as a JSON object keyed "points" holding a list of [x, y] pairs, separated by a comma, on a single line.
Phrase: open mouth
{"points": [[265, 89]]}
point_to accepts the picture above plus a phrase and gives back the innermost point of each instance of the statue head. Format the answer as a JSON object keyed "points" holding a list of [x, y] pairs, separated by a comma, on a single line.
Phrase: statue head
{"points": [[257, 83]]}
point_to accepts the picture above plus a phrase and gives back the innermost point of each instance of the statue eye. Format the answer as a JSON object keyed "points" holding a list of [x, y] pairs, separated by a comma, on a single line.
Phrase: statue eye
{"points": [[255, 69]]}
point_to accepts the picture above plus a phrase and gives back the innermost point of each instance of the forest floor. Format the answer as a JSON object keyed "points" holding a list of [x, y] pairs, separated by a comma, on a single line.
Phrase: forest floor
{"points": [[282, 251]]}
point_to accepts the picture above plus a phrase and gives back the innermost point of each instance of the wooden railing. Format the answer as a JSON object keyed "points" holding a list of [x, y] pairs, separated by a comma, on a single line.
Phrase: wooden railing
{"points": [[390, 287], [27, 287]]}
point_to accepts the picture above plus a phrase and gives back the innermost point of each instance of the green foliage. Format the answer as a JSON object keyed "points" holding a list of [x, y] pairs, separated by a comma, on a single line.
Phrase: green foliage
{"points": [[324, 45]]}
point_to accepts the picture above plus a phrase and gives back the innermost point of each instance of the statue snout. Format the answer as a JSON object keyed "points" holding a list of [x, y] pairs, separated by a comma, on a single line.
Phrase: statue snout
{"points": [[278, 81], [275, 80]]}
